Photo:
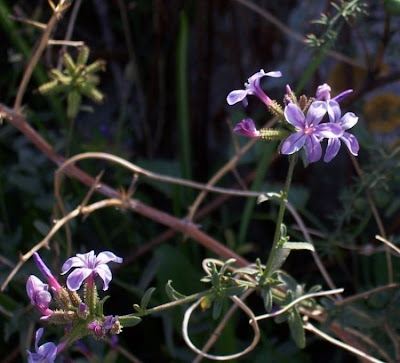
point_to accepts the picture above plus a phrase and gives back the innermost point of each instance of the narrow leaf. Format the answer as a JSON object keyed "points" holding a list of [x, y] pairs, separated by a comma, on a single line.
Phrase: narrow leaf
{"points": [[268, 196], [267, 297], [127, 321], [298, 246], [280, 257], [217, 307], [146, 297], [172, 293], [296, 329]]}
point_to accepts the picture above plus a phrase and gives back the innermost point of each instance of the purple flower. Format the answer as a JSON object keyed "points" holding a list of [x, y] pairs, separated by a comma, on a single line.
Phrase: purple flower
{"points": [[252, 87], [39, 295], [83, 311], [324, 93], [95, 326], [346, 122], [46, 353], [309, 132], [110, 323], [45, 271], [247, 128], [89, 265]]}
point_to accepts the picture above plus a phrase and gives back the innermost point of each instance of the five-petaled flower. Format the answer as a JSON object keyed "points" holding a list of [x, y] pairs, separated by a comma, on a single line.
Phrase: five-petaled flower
{"points": [[39, 295], [247, 128], [346, 122], [309, 131], [252, 87], [46, 353], [88, 265]]}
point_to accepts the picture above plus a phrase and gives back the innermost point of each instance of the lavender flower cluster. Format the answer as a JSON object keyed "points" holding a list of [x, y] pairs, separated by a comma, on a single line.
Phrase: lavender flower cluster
{"points": [[304, 123], [82, 317]]}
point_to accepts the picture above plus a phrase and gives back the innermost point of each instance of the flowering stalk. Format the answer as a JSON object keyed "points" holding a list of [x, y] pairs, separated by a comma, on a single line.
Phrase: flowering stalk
{"points": [[281, 213], [91, 296]]}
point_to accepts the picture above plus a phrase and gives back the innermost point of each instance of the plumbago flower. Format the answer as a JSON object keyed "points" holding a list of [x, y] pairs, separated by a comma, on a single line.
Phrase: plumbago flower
{"points": [[46, 353], [324, 93], [39, 295], [309, 131], [252, 87], [346, 122], [88, 266], [247, 128]]}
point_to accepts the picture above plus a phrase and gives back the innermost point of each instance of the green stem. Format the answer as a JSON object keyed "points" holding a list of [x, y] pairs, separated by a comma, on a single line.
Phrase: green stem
{"points": [[281, 213], [171, 304]]}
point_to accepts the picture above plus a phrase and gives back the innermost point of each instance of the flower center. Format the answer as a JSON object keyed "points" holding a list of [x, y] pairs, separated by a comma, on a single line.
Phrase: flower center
{"points": [[308, 130]]}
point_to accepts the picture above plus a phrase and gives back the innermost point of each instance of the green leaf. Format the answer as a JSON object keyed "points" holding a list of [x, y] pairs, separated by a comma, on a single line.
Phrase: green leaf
{"points": [[269, 196], [226, 265], [281, 318], [298, 246], [267, 297], [280, 257], [289, 282], [217, 307], [172, 293], [296, 328], [127, 321], [246, 271], [314, 288], [146, 297], [215, 280]]}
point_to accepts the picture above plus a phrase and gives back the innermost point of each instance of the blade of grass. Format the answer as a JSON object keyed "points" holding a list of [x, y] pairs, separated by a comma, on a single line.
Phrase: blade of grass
{"points": [[183, 112]]}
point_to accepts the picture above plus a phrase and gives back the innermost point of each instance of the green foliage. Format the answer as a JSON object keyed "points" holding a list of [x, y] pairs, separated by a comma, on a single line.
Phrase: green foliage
{"points": [[75, 80]]}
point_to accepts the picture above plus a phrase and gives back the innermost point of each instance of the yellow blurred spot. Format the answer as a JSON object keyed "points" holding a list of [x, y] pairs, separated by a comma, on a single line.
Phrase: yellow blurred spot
{"points": [[383, 113]]}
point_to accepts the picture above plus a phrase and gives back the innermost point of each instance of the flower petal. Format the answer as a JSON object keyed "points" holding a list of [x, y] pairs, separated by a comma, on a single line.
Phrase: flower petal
{"points": [[293, 143], [70, 263], [295, 116], [105, 274], [342, 95], [323, 92], [334, 111], [274, 74], [313, 148], [236, 96], [106, 257], [43, 299], [328, 130], [38, 335], [332, 149], [76, 277], [48, 351], [254, 80], [351, 142], [348, 120], [247, 128], [33, 287], [315, 113]]}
